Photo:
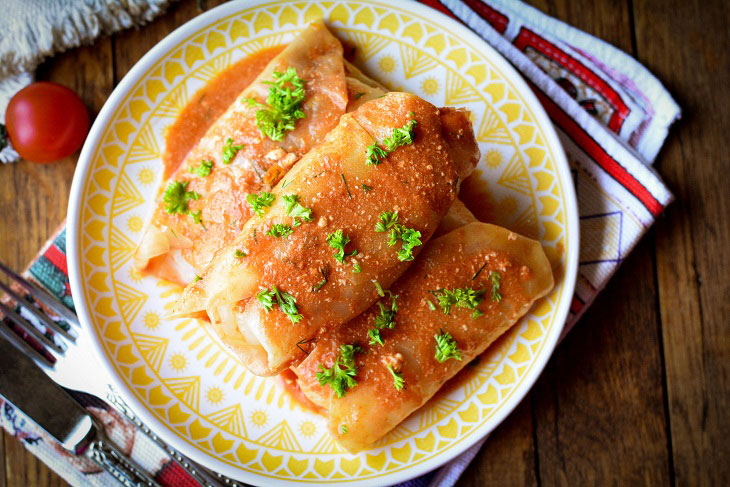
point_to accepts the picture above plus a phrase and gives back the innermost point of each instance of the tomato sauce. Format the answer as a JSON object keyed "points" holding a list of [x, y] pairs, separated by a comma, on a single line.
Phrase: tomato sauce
{"points": [[208, 104]]}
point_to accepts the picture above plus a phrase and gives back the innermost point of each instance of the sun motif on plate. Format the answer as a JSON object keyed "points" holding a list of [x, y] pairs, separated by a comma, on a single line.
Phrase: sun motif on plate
{"points": [[386, 64], [258, 418], [134, 275], [151, 320], [493, 158], [135, 223], [214, 395], [307, 428], [178, 362], [430, 86], [146, 176]]}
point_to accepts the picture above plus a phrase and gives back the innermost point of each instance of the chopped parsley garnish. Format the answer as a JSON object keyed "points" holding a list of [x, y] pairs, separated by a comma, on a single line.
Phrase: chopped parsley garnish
{"points": [[343, 429], [197, 217], [341, 376], [375, 338], [325, 271], [286, 95], [296, 210], [240, 254], [287, 303], [203, 170], [356, 268], [461, 298], [366, 188], [279, 230], [386, 319], [401, 136], [446, 347], [476, 274], [197, 278], [398, 381], [431, 306], [409, 237], [260, 201], [177, 196], [346, 186], [496, 279], [337, 240], [379, 289], [230, 150], [373, 154]]}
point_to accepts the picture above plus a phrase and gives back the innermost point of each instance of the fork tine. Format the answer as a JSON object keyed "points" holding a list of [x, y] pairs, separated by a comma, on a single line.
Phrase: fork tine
{"points": [[42, 296], [28, 327], [39, 314], [23, 346]]}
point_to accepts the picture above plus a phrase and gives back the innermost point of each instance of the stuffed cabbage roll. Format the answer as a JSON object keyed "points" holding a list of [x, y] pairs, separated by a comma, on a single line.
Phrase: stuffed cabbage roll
{"points": [[355, 209], [203, 204], [466, 289]]}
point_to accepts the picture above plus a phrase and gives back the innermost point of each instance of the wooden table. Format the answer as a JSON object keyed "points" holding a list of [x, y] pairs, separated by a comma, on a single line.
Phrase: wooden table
{"points": [[640, 390]]}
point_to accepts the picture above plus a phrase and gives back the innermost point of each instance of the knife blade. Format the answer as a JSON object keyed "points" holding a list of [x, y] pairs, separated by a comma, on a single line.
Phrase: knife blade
{"points": [[28, 388]]}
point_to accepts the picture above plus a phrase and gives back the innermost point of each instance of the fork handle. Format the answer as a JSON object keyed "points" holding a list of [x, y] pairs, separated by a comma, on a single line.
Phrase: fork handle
{"points": [[116, 463], [196, 472]]}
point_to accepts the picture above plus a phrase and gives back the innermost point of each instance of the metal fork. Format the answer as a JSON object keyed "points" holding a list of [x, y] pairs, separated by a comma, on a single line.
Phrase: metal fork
{"points": [[66, 356]]}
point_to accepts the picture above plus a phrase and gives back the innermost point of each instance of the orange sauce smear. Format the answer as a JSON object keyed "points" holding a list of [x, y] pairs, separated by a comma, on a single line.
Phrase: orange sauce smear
{"points": [[208, 104]]}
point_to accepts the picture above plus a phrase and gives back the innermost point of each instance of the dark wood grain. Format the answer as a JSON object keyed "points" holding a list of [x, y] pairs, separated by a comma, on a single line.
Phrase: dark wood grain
{"points": [[599, 405], [508, 456], [689, 50], [34, 199]]}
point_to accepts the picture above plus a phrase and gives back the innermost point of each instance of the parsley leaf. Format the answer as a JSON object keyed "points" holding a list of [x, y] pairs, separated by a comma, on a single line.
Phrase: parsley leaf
{"points": [[409, 237], [399, 137], [398, 381], [197, 278], [446, 347], [287, 303], [366, 188], [197, 217], [461, 298], [386, 319], [230, 150], [177, 196], [279, 230], [296, 210], [203, 170], [325, 271], [496, 279], [356, 268], [259, 202], [375, 338], [341, 376], [240, 254], [286, 95], [343, 429], [337, 240], [373, 154]]}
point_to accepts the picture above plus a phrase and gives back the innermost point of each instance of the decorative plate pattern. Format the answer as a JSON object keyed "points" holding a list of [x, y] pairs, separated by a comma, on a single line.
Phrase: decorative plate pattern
{"points": [[177, 375]]}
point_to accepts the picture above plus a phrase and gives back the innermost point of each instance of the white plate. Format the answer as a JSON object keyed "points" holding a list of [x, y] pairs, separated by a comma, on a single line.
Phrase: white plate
{"points": [[178, 378]]}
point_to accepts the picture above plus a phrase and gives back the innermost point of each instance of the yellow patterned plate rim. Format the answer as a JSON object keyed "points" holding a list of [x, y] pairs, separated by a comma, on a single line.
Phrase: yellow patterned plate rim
{"points": [[78, 205]]}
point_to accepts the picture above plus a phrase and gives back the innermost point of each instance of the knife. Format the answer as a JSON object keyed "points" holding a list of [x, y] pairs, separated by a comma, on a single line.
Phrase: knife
{"points": [[31, 391]]}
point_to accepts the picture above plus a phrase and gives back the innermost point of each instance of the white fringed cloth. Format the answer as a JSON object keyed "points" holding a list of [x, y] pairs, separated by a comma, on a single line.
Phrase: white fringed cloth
{"points": [[32, 30]]}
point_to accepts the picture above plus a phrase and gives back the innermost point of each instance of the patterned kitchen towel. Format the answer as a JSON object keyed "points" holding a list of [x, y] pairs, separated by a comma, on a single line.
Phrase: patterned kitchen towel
{"points": [[612, 117]]}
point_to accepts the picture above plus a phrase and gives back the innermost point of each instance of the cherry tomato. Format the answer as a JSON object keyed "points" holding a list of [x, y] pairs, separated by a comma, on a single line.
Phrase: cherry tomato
{"points": [[46, 122]]}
